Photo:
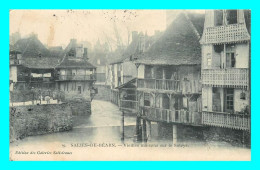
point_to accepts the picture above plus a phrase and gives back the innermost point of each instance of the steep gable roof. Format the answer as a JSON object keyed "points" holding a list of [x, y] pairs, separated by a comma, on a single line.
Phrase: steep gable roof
{"points": [[32, 47], [67, 62], [130, 50], [133, 49], [74, 63], [35, 55], [179, 45], [40, 63]]}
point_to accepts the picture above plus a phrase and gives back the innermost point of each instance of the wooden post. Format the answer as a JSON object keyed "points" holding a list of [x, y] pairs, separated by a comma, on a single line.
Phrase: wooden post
{"points": [[138, 129], [149, 130], [122, 127], [144, 131]]}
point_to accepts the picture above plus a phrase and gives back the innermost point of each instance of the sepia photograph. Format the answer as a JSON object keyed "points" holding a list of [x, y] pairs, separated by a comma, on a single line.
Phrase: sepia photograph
{"points": [[130, 85]]}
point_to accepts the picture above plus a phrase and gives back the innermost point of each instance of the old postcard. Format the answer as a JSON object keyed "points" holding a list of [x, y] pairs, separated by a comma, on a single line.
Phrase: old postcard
{"points": [[130, 85]]}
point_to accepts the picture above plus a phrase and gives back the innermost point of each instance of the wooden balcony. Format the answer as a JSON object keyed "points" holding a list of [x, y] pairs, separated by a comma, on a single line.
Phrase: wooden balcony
{"points": [[21, 78], [235, 77], [185, 87], [128, 105], [225, 34], [76, 77], [226, 120], [170, 116]]}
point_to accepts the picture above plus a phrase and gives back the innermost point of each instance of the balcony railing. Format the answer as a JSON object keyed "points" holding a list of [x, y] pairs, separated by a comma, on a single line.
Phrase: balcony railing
{"points": [[188, 86], [129, 105], [76, 77], [170, 116], [23, 78], [226, 120], [227, 33], [236, 77]]}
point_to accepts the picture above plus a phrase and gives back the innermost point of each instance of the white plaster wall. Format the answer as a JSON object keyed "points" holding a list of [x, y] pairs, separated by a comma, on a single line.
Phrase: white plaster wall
{"points": [[242, 55], [239, 104], [241, 18], [115, 75], [141, 71], [209, 18], [206, 53], [207, 98], [13, 73]]}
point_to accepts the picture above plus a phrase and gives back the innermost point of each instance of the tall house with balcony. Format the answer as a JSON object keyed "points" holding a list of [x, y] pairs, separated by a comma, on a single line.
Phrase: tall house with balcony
{"points": [[75, 75], [168, 82], [225, 69], [32, 65], [123, 70]]}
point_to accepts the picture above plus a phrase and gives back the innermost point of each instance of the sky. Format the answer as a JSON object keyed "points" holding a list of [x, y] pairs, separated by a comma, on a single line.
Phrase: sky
{"points": [[57, 27]]}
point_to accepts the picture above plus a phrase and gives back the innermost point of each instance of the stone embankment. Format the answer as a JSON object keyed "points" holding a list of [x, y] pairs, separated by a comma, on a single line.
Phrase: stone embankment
{"points": [[39, 119]]}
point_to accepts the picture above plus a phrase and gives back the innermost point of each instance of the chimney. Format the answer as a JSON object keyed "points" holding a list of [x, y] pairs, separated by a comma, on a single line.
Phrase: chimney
{"points": [[85, 54], [141, 42]]}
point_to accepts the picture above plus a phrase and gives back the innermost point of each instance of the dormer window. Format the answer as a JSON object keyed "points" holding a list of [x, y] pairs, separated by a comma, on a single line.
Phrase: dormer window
{"points": [[71, 53], [231, 16], [218, 17], [225, 17], [40, 55]]}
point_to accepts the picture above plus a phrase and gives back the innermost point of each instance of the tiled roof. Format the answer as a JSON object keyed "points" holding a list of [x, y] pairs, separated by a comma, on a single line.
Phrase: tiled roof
{"points": [[74, 63], [133, 49], [179, 45], [32, 47], [36, 55], [41, 63], [67, 62], [130, 50]]}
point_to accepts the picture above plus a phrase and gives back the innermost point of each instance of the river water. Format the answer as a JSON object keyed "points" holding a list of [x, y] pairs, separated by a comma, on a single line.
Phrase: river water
{"points": [[101, 130]]}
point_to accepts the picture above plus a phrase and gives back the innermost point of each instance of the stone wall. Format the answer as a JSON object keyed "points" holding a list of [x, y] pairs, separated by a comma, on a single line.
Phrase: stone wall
{"points": [[225, 136], [215, 134], [103, 92], [39, 119], [80, 108], [232, 136]]}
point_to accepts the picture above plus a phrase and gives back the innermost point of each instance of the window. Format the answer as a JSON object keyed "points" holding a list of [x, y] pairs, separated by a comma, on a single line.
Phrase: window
{"points": [[146, 99], [229, 100], [148, 71], [230, 56], [231, 16], [119, 81], [71, 53], [218, 17], [219, 48]]}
